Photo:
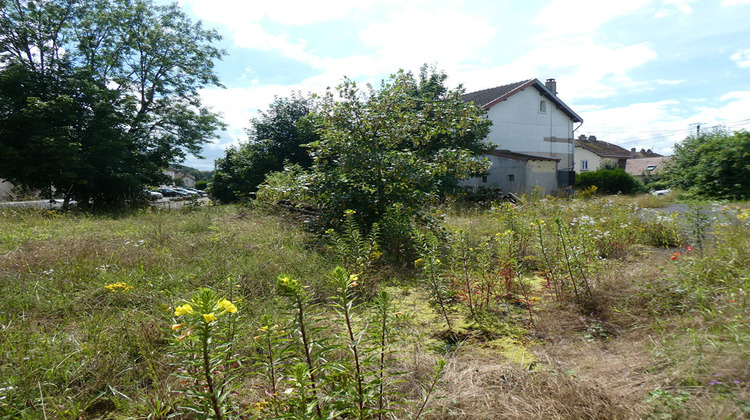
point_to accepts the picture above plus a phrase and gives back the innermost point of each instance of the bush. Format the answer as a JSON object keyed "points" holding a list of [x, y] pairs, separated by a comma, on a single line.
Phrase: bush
{"points": [[713, 165], [609, 181]]}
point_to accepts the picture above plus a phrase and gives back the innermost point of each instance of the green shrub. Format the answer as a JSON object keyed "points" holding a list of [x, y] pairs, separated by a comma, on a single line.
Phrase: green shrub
{"points": [[610, 181]]}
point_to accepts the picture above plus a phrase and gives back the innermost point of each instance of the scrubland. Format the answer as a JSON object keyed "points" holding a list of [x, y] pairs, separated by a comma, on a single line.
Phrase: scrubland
{"points": [[553, 308]]}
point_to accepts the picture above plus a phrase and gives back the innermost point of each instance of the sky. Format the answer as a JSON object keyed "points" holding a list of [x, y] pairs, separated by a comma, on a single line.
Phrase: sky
{"points": [[641, 73]]}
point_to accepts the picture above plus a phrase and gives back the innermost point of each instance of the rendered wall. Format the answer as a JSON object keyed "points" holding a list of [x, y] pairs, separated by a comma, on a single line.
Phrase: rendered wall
{"points": [[519, 126]]}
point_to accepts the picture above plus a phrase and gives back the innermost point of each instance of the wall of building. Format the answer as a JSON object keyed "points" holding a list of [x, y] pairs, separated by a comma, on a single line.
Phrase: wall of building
{"points": [[518, 125], [593, 160], [518, 176]]}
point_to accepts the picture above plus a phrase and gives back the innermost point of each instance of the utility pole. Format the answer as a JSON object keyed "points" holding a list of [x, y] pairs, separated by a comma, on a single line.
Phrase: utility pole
{"points": [[697, 129]]}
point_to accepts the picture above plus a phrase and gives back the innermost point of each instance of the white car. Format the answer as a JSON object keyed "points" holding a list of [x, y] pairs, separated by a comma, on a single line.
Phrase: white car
{"points": [[661, 192], [152, 195]]}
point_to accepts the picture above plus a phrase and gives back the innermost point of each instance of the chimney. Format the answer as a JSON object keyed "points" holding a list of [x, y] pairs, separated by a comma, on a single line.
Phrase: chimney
{"points": [[632, 152], [551, 85]]}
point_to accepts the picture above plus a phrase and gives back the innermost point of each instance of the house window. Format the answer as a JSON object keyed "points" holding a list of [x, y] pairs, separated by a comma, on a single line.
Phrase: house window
{"points": [[584, 165], [511, 177], [542, 106], [651, 167], [484, 178]]}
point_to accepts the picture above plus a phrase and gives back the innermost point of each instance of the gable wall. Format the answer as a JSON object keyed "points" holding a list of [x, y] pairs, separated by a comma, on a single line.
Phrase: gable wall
{"points": [[592, 158], [517, 125]]}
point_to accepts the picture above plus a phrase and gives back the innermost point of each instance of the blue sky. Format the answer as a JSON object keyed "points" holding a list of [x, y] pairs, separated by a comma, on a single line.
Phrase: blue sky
{"points": [[641, 73]]}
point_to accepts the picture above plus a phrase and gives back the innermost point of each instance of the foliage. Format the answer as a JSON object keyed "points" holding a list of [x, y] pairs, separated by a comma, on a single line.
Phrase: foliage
{"points": [[609, 181], [399, 145], [714, 164], [276, 138], [98, 96]]}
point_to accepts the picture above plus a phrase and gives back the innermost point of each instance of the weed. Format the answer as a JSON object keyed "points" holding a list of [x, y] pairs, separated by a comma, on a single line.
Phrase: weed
{"points": [[203, 347]]}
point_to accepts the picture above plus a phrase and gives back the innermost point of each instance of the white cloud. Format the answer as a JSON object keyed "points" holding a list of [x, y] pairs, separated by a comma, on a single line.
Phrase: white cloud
{"points": [[682, 5], [584, 16], [428, 35], [733, 111], [650, 125], [734, 2], [239, 105], [578, 76], [742, 58], [658, 125]]}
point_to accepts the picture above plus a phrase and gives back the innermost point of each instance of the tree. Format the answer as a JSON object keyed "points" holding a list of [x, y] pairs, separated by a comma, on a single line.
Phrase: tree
{"points": [[715, 164], [386, 149], [277, 137], [97, 96]]}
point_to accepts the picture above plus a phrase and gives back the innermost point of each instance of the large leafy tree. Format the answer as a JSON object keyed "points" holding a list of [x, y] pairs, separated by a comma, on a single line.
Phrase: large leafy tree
{"points": [[715, 164], [277, 137], [97, 95], [390, 148]]}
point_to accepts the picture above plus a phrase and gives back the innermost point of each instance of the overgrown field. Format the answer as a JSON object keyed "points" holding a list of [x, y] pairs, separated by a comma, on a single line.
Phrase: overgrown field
{"points": [[553, 308]]}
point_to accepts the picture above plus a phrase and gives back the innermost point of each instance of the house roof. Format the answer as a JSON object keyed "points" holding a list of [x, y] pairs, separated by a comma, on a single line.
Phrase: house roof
{"points": [[640, 166], [488, 98], [520, 156], [602, 148]]}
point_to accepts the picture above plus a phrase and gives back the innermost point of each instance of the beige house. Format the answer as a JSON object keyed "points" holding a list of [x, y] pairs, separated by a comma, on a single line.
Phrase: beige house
{"points": [[592, 153], [187, 179]]}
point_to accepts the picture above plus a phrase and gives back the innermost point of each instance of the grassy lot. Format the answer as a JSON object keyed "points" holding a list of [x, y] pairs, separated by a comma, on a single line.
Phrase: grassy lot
{"points": [[551, 309]]}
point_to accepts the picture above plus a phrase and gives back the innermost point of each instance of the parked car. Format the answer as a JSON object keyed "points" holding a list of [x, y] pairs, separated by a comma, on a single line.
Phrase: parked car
{"points": [[168, 192], [199, 192], [152, 195], [661, 192], [186, 192]]}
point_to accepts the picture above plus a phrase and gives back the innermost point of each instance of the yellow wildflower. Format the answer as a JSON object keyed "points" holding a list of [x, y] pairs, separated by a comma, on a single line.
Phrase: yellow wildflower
{"points": [[353, 278], [256, 337], [209, 317], [176, 327], [184, 309], [228, 306], [118, 286]]}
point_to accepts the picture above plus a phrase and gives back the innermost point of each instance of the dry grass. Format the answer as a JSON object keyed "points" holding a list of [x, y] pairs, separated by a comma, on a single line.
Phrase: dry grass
{"points": [[660, 337]]}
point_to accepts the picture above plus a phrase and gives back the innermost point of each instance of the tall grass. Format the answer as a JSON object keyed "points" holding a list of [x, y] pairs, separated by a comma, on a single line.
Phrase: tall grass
{"points": [[527, 295]]}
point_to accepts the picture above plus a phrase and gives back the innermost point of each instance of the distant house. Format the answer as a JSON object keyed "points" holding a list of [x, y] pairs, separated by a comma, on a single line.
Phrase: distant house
{"points": [[591, 153], [532, 130], [642, 167], [188, 180]]}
